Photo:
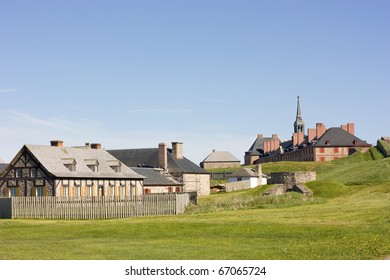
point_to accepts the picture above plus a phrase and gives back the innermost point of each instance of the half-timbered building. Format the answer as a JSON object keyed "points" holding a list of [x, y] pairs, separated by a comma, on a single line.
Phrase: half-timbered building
{"points": [[68, 172]]}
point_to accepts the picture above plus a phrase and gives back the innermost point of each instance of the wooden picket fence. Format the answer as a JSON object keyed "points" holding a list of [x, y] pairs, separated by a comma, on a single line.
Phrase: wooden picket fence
{"points": [[92, 207]]}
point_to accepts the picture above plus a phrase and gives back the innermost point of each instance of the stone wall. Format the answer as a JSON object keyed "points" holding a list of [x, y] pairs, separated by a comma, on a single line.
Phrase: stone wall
{"points": [[291, 179], [199, 183], [237, 186], [213, 165]]}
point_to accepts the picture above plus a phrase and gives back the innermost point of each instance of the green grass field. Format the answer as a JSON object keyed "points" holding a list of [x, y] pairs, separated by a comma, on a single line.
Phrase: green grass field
{"points": [[347, 218]]}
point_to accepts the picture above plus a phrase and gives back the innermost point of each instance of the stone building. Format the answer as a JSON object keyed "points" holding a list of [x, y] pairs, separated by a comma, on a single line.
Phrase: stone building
{"points": [[191, 176], [158, 181], [68, 172], [319, 144], [220, 159]]}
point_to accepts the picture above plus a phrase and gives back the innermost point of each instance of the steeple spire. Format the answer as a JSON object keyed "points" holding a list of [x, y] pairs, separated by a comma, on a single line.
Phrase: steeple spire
{"points": [[299, 125]]}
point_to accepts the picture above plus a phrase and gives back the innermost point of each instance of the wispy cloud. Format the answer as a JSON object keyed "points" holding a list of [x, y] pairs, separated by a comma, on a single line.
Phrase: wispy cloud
{"points": [[8, 90], [165, 111]]}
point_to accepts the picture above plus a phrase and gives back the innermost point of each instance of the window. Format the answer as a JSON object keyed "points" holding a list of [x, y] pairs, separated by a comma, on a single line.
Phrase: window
{"points": [[322, 150], [92, 164], [94, 168], [78, 191], [66, 191], [69, 163], [112, 190], [115, 165], [12, 192], [33, 173], [336, 149], [39, 191], [18, 173], [89, 191]]}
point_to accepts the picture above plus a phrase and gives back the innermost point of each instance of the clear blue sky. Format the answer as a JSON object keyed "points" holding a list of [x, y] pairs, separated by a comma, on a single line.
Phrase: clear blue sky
{"points": [[212, 74]]}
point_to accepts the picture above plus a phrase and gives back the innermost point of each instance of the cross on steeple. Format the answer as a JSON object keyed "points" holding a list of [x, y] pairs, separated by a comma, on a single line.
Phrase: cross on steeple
{"points": [[299, 125]]}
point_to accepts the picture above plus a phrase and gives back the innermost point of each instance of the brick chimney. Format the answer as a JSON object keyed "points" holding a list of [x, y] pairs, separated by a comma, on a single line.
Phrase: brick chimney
{"points": [[57, 143], [163, 156], [96, 146], [260, 136], [274, 136], [320, 129], [177, 150], [351, 128], [311, 134]]}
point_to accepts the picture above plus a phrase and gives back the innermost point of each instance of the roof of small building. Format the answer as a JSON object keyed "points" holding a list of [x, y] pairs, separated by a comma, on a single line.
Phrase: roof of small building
{"points": [[54, 159], [257, 148], [3, 166], [245, 172], [155, 177], [338, 137], [149, 158], [220, 156]]}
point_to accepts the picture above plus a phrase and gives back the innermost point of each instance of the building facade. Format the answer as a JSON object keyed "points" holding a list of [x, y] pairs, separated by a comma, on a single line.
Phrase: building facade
{"points": [[319, 144], [220, 159], [191, 176], [68, 172]]}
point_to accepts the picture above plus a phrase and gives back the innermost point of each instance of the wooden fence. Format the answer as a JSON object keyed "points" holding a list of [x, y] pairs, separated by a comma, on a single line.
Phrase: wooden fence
{"points": [[92, 207]]}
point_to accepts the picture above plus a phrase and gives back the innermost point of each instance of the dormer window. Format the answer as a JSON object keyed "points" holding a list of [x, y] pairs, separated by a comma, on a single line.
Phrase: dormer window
{"points": [[92, 164], [69, 163], [115, 165], [355, 142], [327, 142]]}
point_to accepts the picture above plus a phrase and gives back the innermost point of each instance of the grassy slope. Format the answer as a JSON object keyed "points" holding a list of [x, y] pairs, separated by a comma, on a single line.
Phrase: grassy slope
{"points": [[351, 220]]}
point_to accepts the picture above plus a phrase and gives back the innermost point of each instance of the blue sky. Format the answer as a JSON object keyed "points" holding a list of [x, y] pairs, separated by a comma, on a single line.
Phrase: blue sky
{"points": [[212, 74]]}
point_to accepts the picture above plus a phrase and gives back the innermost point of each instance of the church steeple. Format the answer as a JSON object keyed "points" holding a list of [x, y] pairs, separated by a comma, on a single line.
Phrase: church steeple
{"points": [[299, 125]]}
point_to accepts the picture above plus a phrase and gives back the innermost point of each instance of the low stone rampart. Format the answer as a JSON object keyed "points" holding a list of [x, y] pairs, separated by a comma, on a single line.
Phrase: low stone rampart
{"points": [[291, 179]]}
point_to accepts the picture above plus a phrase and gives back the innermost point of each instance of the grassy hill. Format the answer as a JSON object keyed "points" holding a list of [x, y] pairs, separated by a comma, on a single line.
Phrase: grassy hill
{"points": [[348, 217]]}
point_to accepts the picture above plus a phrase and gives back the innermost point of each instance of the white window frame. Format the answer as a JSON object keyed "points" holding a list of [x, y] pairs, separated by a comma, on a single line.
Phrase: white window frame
{"points": [[112, 191], [78, 191], [66, 191], [90, 191]]}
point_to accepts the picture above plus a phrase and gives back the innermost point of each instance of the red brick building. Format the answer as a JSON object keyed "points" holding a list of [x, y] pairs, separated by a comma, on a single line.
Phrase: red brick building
{"points": [[320, 144]]}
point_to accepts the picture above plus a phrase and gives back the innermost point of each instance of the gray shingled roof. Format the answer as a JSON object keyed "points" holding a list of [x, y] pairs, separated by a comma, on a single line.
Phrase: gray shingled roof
{"points": [[220, 156], [257, 148], [149, 158], [245, 172], [3, 166], [154, 177], [338, 137], [54, 158]]}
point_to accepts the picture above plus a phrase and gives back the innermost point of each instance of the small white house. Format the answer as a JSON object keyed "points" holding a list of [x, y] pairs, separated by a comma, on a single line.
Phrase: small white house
{"points": [[246, 178]]}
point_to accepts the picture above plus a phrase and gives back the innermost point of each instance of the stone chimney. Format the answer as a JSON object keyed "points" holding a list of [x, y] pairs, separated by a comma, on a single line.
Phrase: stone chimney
{"points": [[163, 156], [274, 136], [177, 150], [57, 143], [259, 170], [96, 146]]}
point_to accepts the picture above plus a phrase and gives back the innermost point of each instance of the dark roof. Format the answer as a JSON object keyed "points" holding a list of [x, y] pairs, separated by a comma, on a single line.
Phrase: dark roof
{"points": [[245, 172], [149, 158], [3, 166], [338, 137], [154, 177], [257, 148]]}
